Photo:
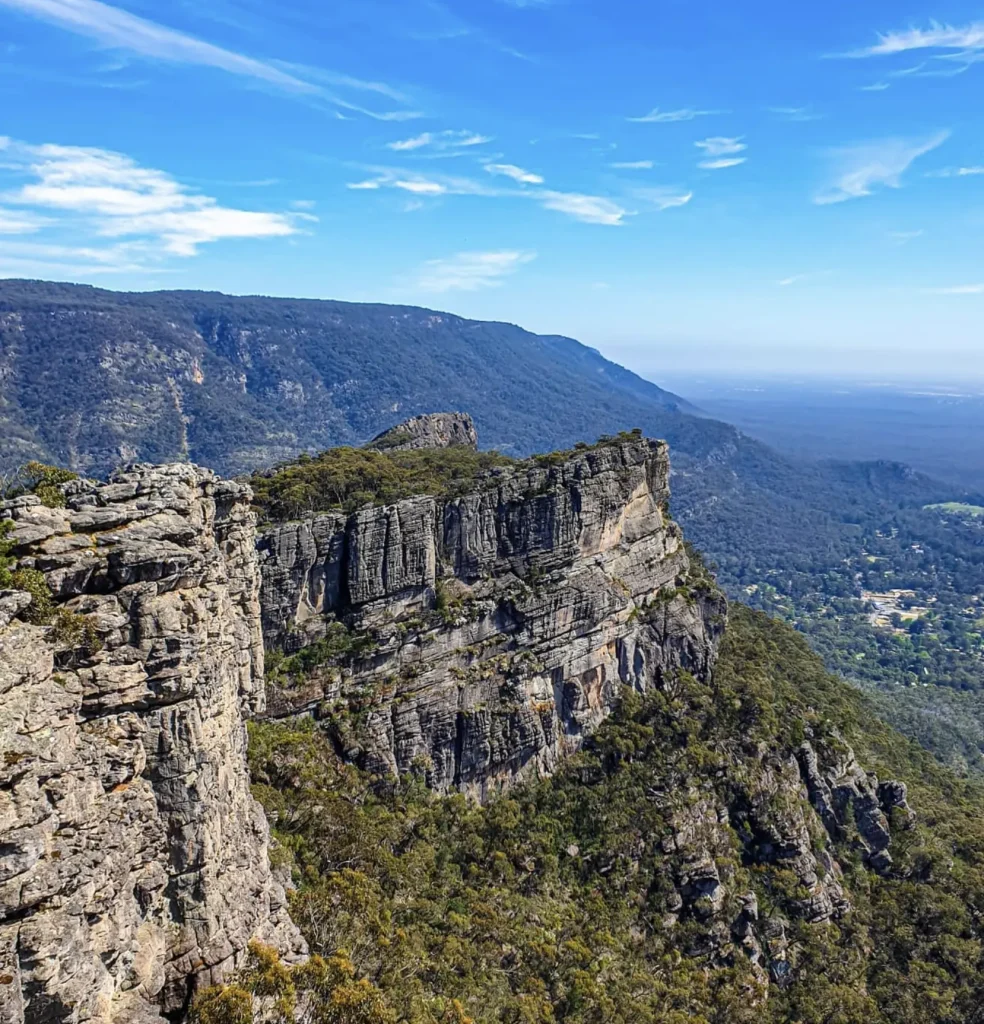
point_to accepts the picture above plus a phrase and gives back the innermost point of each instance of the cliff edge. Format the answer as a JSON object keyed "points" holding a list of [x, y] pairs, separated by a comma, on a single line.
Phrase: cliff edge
{"points": [[134, 864]]}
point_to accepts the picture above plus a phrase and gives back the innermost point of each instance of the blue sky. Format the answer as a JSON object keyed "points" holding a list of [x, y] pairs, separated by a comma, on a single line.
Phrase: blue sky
{"points": [[682, 184]]}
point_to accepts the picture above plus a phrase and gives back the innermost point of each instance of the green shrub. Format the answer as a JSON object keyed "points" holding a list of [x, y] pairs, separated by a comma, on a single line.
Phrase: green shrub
{"points": [[76, 633]]}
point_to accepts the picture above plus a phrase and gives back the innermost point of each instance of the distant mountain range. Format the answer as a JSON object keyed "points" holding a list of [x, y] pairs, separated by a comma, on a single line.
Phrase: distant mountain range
{"points": [[92, 378]]}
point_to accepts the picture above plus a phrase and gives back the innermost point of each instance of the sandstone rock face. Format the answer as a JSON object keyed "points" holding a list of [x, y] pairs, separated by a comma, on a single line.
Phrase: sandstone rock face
{"points": [[502, 623], [433, 430], [134, 862]]}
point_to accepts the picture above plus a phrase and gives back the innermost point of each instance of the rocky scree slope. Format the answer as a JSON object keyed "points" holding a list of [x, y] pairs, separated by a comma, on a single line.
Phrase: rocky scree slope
{"points": [[133, 859]]}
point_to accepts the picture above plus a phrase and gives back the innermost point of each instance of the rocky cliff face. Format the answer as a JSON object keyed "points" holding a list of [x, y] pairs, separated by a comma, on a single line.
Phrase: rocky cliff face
{"points": [[134, 864], [486, 636]]}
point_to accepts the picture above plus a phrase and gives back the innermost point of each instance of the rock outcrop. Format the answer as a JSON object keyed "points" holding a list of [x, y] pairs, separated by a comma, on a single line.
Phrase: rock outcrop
{"points": [[133, 865], [491, 633], [432, 430]]}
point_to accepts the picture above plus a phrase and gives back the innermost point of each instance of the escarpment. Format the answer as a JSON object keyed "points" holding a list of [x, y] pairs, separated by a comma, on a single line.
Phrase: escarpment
{"points": [[133, 864], [475, 636], [486, 635]]}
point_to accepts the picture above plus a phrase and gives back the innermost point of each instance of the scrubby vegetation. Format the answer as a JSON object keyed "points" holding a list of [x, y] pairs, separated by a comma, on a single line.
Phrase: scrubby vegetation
{"points": [[346, 478], [550, 904], [36, 478]]}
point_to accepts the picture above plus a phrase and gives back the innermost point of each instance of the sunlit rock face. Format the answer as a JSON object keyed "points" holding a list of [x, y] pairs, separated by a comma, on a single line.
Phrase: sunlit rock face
{"points": [[502, 623], [134, 863]]}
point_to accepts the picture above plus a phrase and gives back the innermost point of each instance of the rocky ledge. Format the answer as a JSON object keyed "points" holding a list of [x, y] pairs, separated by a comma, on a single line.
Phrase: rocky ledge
{"points": [[433, 430], [134, 862]]}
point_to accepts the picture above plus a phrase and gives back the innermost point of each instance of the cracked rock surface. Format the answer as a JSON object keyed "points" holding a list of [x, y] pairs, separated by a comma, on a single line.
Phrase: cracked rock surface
{"points": [[134, 863]]}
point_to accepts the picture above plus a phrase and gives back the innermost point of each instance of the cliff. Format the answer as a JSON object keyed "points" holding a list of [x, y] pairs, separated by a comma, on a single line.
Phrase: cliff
{"points": [[486, 635], [476, 636], [134, 862]]}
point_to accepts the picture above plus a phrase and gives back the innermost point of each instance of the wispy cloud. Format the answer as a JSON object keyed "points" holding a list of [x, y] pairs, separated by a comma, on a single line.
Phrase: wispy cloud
{"points": [[904, 237], [589, 209], [15, 222], [92, 192], [470, 271], [661, 198], [719, 145], [812, 275], [795, 113], [122, 30], [956, 172], [516, 173], [721, 163], [657, 116], [875, 87], [958, 289], [720, 152], [438, 140], [422, 184], [36, 259], [632, 165], [861, 170], [936, 37]]}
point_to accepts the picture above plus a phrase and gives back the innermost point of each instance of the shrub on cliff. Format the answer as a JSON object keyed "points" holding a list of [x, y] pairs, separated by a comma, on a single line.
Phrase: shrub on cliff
{"points": [[347, 478]]}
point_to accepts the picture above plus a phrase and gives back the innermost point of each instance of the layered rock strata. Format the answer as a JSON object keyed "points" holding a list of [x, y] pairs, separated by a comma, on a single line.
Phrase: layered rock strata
{"points": [[501, 624], [133, 864]]}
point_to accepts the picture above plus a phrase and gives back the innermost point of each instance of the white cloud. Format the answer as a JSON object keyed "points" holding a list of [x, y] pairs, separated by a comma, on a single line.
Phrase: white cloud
{"points": [[662, 198], [657, 116], [959, 289], [101, 193], [719, 145], [516, 173], [902, 237], [420, 187], [956, 172], [589, 209], [419, 184], [15, 222], [633, 165], [875, 87], [936, 37], [470, 271], [438, 140], [303, 204], [418, 141], [861, 169], [721, 163], [122, 30], [795, 113]]}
